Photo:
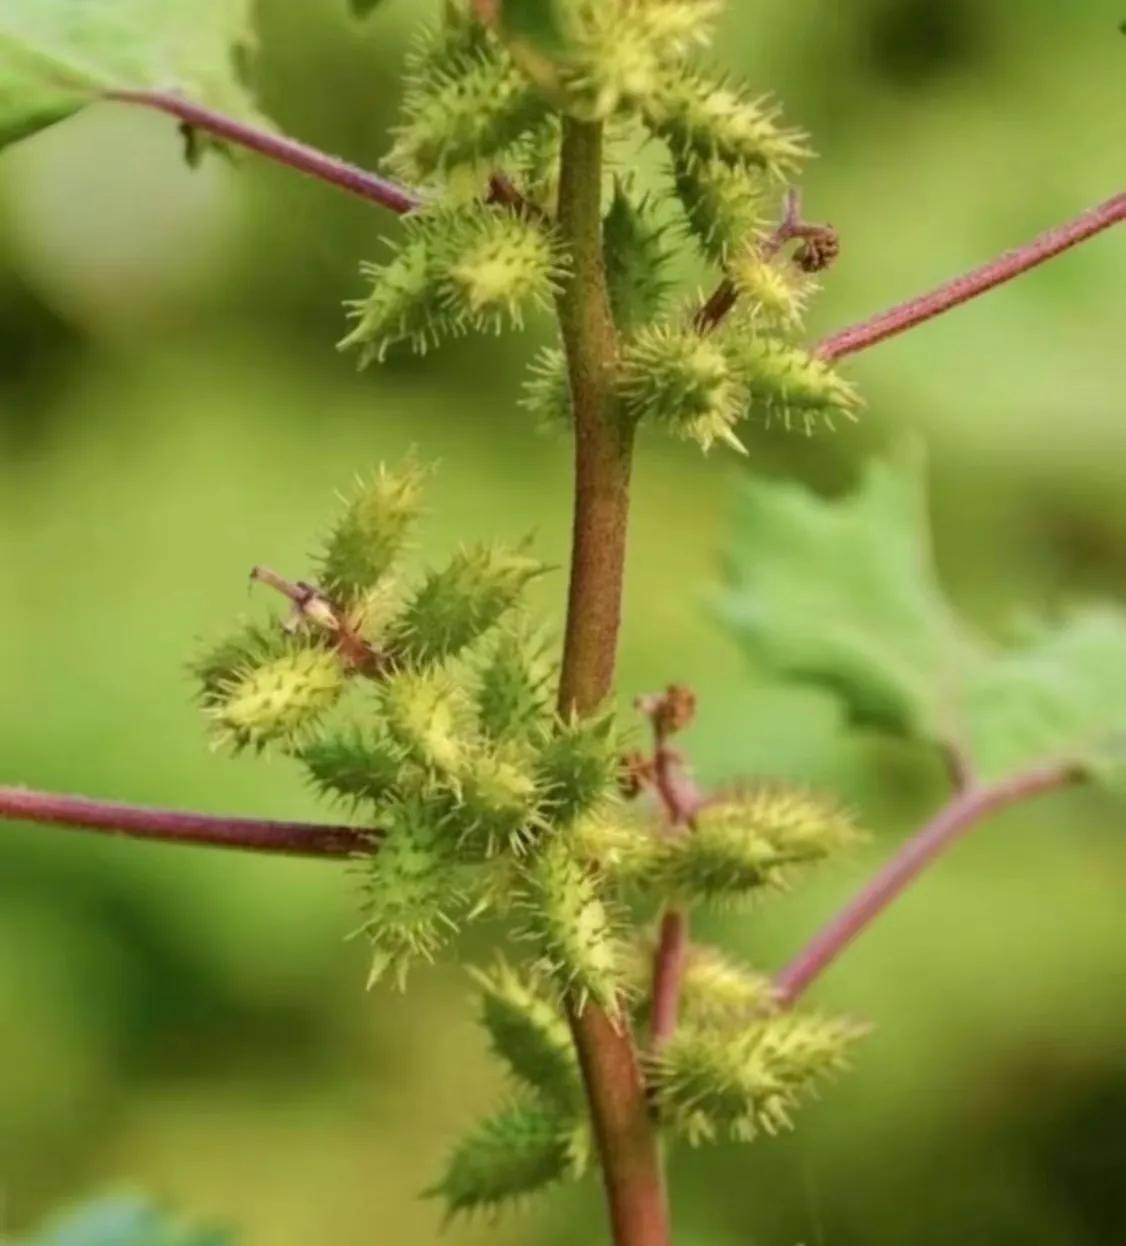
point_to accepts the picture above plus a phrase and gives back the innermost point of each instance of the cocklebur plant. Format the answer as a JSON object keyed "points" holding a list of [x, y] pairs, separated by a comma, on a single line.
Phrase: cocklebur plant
{"points": [[473, 119], [482, 775], [424, 704]]}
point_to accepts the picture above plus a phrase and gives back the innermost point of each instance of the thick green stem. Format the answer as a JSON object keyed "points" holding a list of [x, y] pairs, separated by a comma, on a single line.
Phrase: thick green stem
{"points": [[627, 1140]]}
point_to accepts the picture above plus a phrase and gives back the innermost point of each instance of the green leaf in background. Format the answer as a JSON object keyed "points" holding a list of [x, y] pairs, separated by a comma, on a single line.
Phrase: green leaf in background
{"points": [[57, 56], [842, 593], [1063, 695], [124, 1222]]}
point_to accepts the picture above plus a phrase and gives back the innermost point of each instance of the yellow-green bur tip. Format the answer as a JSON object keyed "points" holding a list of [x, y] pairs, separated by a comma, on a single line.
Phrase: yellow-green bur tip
{"points": [[278, 699]]}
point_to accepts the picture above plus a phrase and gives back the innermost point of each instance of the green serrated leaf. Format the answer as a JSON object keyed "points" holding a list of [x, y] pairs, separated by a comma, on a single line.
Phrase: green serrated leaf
{"points": [[842, 594], [1062, 697], [57, 56]]}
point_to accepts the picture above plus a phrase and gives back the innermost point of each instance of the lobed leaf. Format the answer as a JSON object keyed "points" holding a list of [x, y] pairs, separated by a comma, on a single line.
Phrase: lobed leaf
{"points": [[1059, 698], [843, 594]]}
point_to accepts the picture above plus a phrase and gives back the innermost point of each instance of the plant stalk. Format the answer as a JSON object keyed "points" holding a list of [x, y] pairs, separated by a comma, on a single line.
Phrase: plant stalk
{"points": [[172, 826], [627, 1140], [668, 975], [955, 819], [971, 285], [682, 800], [277, 147]]}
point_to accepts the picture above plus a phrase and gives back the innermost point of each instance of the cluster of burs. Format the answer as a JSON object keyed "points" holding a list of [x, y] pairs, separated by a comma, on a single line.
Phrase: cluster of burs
{"points": [[424, 703], [480, 141]]}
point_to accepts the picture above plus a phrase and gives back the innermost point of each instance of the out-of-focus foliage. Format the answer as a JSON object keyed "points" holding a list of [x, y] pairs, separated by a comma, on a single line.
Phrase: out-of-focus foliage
{"points": [[124, 1222], [171, 413], [843, 595], [57, 57]]}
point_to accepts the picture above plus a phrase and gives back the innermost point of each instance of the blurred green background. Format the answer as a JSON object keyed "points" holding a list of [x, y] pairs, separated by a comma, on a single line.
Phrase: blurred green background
{"points": [[172, 411]]}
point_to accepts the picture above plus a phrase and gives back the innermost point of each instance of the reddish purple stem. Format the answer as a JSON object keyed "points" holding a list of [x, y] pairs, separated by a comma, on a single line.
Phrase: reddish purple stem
{"points": [[287, 151], [848, 341], [945, 828], [298, 839], [962, 289], [668, 974], [681, 799]]}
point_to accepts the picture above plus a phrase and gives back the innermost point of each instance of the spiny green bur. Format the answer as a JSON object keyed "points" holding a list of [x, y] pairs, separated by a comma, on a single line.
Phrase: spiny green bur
{"points": [[372, 533], [748, 842], [424, 705], [520, 1151], [429, 715], [480, 135], [740, 1081], [529, 1034]]}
